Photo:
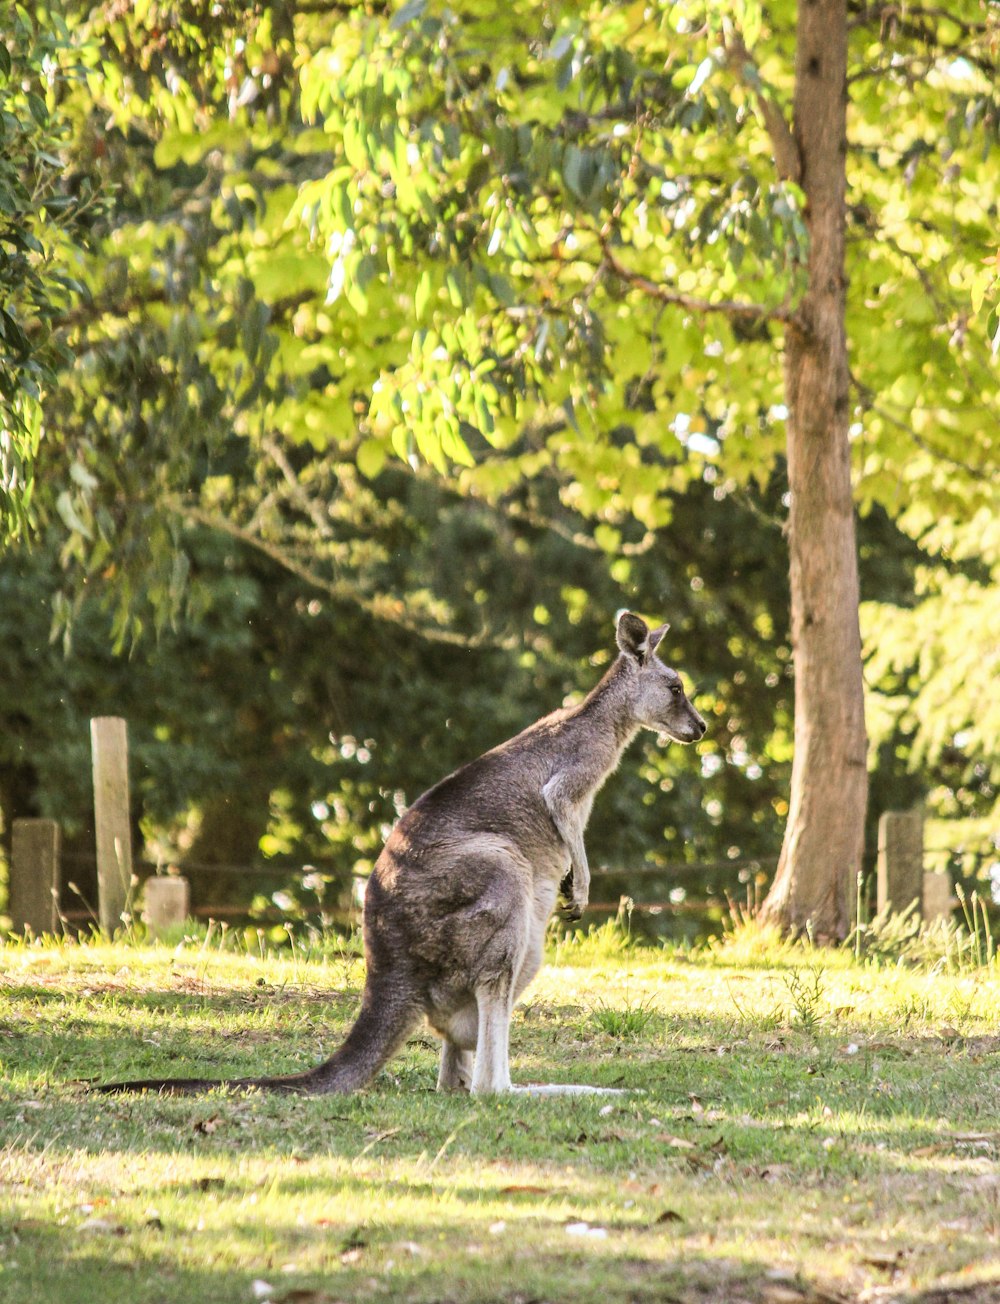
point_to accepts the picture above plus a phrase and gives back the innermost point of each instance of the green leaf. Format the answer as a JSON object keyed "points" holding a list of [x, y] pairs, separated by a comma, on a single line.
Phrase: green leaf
{"points": [[70, 517], [422, 296], [429, 446], [409, 13], [993, 330], [608, 539], [81, 476], [573, 165], [38, 110], [371, 458]]}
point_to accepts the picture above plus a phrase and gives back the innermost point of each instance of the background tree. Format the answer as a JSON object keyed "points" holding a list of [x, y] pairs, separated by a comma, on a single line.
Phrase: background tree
{"points": [[824, 836], [548, 256], [565, 195], [277, 726]]}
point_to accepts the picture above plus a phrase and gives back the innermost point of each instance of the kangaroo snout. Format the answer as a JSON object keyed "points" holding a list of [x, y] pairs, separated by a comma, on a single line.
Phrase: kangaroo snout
{"points": [[688, 733]]}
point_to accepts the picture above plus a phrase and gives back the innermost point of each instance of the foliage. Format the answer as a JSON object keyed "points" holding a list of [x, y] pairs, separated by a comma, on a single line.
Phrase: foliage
{"points": [[267, 728], [43, 218], [524, 252], [543, 254], [935, 662], [946, 943], [271, 717]]}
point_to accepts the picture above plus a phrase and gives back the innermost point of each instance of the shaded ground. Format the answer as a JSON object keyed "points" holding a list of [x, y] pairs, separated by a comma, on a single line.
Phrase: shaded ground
{"points": [[803, 1129]]}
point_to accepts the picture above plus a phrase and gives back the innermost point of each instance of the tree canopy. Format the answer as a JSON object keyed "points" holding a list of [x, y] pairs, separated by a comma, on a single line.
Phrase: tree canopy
{"points": [[359, 271]]}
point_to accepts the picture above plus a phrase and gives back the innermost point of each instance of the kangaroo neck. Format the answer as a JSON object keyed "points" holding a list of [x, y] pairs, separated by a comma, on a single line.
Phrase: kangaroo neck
{"points": [[608, 718]]}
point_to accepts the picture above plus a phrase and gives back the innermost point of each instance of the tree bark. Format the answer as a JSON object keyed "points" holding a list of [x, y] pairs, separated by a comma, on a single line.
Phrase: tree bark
{"points": [[824, 836]]}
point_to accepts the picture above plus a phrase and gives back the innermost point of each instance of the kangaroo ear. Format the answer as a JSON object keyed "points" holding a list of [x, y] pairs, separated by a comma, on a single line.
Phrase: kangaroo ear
{"points": [[633, 635], [655, 635]]}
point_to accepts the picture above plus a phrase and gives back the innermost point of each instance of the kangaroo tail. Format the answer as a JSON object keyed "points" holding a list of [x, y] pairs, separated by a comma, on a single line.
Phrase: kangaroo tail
{"points": [[386, 1019]]}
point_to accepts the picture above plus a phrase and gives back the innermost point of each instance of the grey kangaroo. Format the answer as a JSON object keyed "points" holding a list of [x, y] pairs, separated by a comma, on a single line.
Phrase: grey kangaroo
{"points": [[457, 904]]}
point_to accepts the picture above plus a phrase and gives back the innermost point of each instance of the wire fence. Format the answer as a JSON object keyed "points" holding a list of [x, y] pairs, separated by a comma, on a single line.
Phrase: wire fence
{"points": [[698, 893], [687, 888], [43, 877]]}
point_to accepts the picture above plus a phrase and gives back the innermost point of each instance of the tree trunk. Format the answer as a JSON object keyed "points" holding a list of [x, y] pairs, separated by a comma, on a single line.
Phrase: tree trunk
{"points": [[824, 836]]}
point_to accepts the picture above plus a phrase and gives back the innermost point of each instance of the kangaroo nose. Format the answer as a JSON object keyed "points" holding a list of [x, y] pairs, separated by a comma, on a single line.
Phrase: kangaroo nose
{"points": [[702, 727]]}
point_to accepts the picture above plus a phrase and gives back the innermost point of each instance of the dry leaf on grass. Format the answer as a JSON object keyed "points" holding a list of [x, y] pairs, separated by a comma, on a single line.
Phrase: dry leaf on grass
{"points": [[30, 1225], [209, 1183], [668, 1216], [98, 1226], [887, 1261], [372, 1135], [979, 1140], [675, 1142], [304, 1295]]}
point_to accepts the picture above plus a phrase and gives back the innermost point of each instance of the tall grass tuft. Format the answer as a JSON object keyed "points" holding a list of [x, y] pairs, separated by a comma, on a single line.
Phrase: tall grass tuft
{"points": [[611, 940], [903, 937], [625, 1022]]}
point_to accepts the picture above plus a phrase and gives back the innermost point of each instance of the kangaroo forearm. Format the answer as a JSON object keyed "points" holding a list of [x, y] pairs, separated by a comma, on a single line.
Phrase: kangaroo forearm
{"points": [[578, 863], [565, 815], [581, 881], [569, 835]]}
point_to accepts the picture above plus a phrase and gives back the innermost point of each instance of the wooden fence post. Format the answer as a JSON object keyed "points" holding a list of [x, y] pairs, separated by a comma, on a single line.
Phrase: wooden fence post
{"points": [[34, 876], [900, 879], [109, 748], [938, 901], [167, 902]]}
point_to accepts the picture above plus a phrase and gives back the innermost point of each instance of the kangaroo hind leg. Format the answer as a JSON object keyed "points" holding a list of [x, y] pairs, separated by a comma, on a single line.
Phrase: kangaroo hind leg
{"points": [[455, 1073], [492, 1067], [492, 941], [460, 1033]]}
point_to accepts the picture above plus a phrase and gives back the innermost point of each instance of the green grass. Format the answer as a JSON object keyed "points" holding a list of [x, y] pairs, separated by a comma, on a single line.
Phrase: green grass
{"points": [[805, 1126]]}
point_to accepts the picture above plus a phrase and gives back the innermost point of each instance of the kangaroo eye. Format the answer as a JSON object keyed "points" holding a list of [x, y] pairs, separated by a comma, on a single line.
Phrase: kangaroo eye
{"points": [[676, 690]]}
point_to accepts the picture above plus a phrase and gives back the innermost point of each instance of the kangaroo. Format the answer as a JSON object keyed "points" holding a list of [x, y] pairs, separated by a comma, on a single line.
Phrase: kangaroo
{"points": [[457, 905]]}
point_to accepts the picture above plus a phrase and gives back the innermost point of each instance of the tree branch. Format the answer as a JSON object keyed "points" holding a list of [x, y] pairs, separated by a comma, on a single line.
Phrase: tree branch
{"points": [[308, 505], [728, 307], [889, 15], [787, 158], [382, 607], [868, 396], [576, 537]]}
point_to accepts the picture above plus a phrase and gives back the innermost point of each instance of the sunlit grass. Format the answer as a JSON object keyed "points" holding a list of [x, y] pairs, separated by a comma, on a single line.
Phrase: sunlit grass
{"points": [[798, 1118]]}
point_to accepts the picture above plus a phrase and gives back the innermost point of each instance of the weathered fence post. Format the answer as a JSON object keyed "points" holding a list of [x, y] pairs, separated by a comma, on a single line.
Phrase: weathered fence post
{"points": [[167, 902], [938, 901], [109, 747], [900, 878], [34, 876]]}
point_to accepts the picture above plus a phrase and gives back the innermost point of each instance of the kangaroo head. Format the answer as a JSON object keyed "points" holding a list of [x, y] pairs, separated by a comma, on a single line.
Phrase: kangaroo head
{"points": [[657, 695]]}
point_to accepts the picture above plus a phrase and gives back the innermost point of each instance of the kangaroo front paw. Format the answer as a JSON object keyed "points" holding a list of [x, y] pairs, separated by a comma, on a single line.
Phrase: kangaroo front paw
{"points": [[572, 910], [574, 895]]}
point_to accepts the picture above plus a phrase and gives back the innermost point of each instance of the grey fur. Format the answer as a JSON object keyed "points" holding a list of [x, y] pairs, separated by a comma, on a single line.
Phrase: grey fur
{"points": [[457, 904]]}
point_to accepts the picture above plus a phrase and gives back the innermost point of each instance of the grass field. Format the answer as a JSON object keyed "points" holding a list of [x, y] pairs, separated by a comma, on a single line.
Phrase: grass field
{"points": [[804, 1126]]}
